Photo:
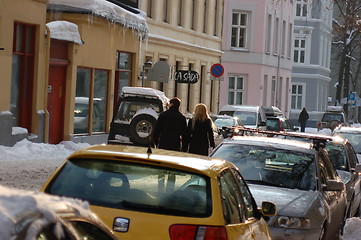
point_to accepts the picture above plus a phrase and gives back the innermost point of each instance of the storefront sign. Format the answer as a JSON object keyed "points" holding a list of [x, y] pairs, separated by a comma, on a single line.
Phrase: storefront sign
{"points": [[182, 76]]}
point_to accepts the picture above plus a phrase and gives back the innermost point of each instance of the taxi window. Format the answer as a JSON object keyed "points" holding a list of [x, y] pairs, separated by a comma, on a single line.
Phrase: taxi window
{"points": [[135, 187], [233, 206], [246, 195]]}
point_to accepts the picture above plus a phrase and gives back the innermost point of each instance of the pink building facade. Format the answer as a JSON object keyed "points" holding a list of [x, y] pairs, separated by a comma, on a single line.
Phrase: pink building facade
{"points": [[257, 59]]}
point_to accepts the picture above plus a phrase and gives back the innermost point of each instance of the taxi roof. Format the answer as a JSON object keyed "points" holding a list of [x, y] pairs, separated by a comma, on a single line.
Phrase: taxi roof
{"points": [[180, 160]]}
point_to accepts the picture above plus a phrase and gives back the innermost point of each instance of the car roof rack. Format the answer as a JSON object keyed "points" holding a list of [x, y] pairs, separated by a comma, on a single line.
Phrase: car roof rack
{"points": [[317, 140]]}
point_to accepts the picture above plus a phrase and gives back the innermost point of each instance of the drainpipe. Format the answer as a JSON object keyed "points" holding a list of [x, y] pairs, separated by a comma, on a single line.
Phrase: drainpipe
{"points": [[278, 101]]}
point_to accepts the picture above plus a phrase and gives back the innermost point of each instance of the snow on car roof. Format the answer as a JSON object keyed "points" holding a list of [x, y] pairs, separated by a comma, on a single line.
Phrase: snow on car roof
{"points": [[16, 204], [146, 92]]}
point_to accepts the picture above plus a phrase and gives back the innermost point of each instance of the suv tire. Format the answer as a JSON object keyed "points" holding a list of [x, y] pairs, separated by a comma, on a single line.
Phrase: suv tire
{"points": [[141, 129], [334, 124]]}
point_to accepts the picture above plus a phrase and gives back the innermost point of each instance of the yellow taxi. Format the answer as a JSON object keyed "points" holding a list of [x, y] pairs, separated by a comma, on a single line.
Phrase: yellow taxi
{"points": [[157, 194]]}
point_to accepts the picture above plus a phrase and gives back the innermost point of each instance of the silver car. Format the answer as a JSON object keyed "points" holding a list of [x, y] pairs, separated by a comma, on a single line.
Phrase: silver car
{"points": [[298, 177]]}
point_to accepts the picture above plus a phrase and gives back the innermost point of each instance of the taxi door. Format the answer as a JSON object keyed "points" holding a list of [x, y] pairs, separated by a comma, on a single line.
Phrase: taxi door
{"points": [[238, 209]]}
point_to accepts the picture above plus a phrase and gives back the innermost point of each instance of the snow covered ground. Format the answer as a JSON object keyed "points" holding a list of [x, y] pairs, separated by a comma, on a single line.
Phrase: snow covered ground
{"points": [[28, 165]]}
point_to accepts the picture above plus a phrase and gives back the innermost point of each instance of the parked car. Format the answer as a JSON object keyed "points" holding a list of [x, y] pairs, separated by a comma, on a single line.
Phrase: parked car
{"points": [[314, 120], [157, 194], [352, 134], [81, 115], [251, 116], [135, 115], [225, 121], [298, 176], [279, 123], [30, 215], [334, 117]]}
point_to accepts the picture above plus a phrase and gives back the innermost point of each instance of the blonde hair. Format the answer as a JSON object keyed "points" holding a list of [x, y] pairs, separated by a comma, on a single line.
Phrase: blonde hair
{"points": [[200, 113]]}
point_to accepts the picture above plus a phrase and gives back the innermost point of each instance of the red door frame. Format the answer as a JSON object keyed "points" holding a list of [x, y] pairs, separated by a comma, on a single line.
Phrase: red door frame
{"points": [[57, 89]]}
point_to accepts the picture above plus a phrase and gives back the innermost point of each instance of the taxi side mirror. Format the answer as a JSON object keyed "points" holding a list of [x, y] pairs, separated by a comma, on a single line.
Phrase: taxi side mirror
{"points": [[268, 209]]}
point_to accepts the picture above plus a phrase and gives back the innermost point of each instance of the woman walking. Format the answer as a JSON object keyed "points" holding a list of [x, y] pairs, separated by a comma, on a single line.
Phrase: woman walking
{"points": [[200, 131]]}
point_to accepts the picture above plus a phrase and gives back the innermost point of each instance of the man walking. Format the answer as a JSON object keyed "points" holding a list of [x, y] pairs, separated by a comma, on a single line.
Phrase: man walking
{"points": [[302, 119], [171, 128]]}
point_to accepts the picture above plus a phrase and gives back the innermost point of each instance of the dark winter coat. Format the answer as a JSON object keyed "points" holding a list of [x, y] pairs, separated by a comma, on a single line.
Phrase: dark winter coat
{"points": [[303, 116], [201, 137], [170, 129]]}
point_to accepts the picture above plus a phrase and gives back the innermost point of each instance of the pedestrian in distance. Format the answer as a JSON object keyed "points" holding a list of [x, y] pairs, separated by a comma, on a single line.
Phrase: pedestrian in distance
{"points": [[302, 119], [200, 129], [170, 131]]}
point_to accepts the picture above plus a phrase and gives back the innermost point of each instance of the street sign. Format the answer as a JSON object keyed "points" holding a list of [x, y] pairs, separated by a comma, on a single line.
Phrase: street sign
{"points": [[184, 76], [159, 72], [217, 70], [352, 98]]}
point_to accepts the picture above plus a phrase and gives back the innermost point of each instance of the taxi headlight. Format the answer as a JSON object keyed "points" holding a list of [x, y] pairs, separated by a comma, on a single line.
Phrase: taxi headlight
{"points": [[292, 222]]}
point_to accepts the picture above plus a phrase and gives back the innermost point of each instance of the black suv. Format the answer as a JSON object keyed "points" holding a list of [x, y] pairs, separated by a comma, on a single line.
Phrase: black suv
{"points": [[135, 115]]}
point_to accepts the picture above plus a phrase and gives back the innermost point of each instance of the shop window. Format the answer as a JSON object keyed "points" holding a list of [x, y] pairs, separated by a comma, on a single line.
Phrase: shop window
{"points": [[22, 74], [123, 73], [90, 116]]}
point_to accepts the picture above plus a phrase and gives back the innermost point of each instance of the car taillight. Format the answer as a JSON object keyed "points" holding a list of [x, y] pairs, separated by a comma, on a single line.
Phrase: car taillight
{"points": [[281, 126], [183, 232]]}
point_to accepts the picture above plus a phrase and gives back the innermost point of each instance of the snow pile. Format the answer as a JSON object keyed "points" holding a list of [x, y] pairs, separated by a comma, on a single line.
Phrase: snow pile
{"points": [[64, 30], [26, 150], [352, 229], [109, 11], [18, 205]]}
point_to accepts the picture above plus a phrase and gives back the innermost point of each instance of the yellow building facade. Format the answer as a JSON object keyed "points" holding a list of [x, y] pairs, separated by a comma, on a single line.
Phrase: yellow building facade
{"points": [[48, 77], [186, 34]]}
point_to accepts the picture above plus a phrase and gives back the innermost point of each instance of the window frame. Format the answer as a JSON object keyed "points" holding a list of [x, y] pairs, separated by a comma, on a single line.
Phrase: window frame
{"points": [[238, 27], [236, 90]]}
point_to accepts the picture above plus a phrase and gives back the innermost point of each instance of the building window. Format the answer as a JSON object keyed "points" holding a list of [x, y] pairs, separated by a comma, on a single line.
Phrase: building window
{"points": [[299, 51], [193, 15], [297, 98], [123, 73], [180, 12], [165, 11], [283, 50], [273, 91], [205, 17], [235, 90], [150, 8], [90, 101], [22, 79], [276, 36], [269, 33], [239, 30], [215, 19], [301, 8], [289, 45]]}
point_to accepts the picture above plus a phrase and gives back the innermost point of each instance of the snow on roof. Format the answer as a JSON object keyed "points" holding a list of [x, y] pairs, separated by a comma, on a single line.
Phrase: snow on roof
{"points": [[17, 204], [64, 30], [110, 11], [145, 91]]}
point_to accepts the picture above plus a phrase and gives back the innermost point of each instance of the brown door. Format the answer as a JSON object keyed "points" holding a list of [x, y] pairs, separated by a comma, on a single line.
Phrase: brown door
{"points": [[56, 100]]}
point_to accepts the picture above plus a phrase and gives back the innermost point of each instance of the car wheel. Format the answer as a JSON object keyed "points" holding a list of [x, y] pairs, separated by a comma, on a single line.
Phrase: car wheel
{"points": [[141, 128]]}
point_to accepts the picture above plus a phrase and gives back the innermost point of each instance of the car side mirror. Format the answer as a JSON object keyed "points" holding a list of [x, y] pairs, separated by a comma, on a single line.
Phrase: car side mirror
{"points": [[334, 185], [268, 209]]}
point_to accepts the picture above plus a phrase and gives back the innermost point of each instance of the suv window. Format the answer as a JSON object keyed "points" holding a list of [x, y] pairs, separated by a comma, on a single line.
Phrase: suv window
{"points": [[327, 117], [133, 186], [127, 109]]}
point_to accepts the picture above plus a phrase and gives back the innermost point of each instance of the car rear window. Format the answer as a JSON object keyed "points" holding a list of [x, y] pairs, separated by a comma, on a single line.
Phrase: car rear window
{"points": [[273, 124], [327, 117], [132, 186], [271, 166]]}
